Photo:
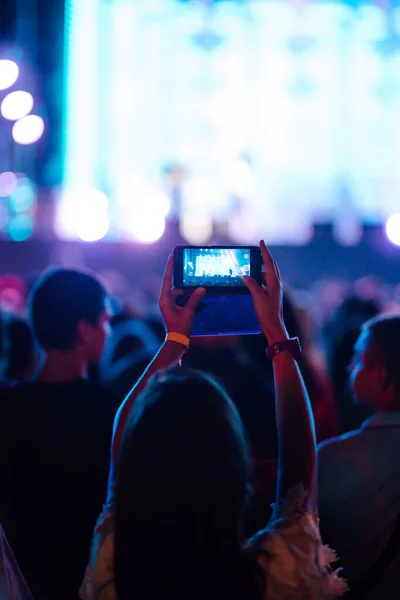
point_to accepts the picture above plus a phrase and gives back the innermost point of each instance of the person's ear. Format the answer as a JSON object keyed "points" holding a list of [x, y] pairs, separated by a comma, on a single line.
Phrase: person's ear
{"points": [[84, 332], [383, 379]]}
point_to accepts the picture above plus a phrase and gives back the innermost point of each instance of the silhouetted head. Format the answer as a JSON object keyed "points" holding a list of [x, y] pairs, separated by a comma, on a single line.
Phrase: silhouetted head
{"points": [[182, 484], [67, 312], [342, 333], [375, 369], [248, 388], [350, 316], [19, 350]]}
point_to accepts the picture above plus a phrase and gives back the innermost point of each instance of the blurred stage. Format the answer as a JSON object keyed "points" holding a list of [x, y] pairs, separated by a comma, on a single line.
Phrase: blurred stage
{"points": [[263, 117], [203, 122], [301, 266]]}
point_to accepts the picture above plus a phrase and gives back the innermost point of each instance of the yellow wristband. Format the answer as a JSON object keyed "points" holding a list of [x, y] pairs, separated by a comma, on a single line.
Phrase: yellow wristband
{"points": [[179, 338]]}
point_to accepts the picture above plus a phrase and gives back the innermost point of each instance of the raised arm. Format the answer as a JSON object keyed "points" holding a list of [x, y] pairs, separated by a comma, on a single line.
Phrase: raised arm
{"points": [[295, 424], [177, 320]]}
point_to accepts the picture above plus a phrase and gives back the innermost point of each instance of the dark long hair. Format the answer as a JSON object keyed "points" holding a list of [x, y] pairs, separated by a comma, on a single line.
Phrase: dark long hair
{"points": [[182, 482]]}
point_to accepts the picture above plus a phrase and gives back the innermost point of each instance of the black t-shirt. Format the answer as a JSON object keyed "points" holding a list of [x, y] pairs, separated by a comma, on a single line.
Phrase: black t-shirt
{"points": [[54, 459]]}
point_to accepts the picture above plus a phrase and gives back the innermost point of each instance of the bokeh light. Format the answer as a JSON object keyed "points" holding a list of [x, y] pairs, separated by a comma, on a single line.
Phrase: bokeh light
{"points": [[196, 229], [92, 216], [82, 214], [12, 293], [145, 226], [20, 227], [16, 105], [144, 207], [4, 216], [9, 72], [139, 193], [8, 183], [65, 224], [393, 228], [93, 227], [23, 196], [28, 129]]}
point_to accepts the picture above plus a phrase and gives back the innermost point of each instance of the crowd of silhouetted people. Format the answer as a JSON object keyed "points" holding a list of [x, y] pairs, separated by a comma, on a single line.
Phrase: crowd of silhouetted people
{"points": [[139, 463]]}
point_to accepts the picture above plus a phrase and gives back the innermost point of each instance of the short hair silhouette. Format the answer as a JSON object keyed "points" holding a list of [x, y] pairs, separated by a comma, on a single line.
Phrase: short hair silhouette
{"points": [[60, 299], [384, 332]]}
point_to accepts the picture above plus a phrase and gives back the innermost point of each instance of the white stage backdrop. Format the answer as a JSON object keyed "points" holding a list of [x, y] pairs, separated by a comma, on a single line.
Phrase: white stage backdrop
{"points": [[265, 116]]}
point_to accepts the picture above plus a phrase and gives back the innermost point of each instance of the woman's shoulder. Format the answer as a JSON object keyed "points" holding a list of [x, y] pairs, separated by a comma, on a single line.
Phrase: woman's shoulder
{"points": [[290, 551]]}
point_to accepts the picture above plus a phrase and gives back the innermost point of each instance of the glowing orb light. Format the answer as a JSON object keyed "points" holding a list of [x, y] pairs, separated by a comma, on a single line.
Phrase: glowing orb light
{"points": [[196, 229], [9, 72], [145, 208], [83, 214], [20, 227], [28, 129], [16, 105], [145, 226], [8, 183], [393, 229], [23, 196], [93, 227], [92, 216]]}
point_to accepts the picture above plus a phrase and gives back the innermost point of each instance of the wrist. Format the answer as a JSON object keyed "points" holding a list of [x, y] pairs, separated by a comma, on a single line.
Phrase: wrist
{"points": [[174, 351], [291, 345], [178, 338], [275, 334]]}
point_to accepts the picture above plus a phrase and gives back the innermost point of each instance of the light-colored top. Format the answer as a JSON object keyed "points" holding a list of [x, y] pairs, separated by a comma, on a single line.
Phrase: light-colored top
{"points": [[297, 566], [359, 497]]}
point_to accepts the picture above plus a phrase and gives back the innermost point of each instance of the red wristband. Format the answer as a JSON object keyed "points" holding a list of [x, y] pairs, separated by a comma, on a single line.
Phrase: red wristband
{"points": [[292, 346]]}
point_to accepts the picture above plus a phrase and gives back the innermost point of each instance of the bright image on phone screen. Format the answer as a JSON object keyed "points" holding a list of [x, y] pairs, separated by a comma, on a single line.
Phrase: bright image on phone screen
{"points": [[212, 267]]}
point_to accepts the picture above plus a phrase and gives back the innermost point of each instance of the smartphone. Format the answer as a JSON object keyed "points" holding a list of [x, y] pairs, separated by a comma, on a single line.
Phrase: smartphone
{"points": [[218, 268]]}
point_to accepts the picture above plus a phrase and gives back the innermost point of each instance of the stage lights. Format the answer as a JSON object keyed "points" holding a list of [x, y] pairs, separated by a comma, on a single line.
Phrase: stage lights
{"points": [[84, 215], [17, 105], [9, 72], [28, 129], [18, 205], [196, 229], [146, 227], [144, 209], [393, 229], [8, 183]]}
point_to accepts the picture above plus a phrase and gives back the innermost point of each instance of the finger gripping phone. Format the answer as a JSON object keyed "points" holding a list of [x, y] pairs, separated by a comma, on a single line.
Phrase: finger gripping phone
{"points": [[219, 269]]}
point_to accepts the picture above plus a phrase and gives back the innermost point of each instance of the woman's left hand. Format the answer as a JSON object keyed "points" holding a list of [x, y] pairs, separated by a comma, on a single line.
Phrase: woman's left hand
{"points": [[177, 319]]}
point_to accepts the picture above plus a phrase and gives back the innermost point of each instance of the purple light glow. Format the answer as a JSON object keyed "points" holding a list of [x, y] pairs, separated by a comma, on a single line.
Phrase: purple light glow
{"points": [[8, 183]]}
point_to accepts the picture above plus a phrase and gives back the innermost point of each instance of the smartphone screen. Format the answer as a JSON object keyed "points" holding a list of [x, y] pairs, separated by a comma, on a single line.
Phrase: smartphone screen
{"points": [[215, 267]]}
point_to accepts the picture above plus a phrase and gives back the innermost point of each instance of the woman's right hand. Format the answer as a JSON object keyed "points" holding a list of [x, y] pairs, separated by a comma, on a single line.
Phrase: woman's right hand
{"points": [[268, 299], [177, 319]]}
